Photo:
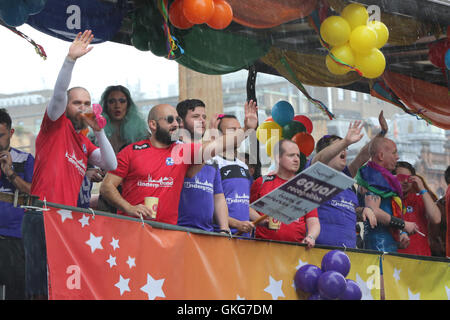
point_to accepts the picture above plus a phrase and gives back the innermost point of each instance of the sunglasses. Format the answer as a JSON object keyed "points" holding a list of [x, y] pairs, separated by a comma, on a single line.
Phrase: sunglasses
{"points": [[403, 178], [170, 119], [121, 100]]}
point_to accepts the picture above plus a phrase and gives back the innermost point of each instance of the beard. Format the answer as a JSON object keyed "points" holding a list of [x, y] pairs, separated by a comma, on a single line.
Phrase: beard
{"points": [[163, 136], [77, 122]]}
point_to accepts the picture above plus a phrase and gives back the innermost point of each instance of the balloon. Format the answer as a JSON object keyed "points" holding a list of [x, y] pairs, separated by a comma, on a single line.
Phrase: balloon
{"points": [[13, 14], [345, 54], [198, 11], [293, 128], [306, 122], [268, 119], [331, 284], [437, 52], [355, 14], [34, 6], [305, 142], [447, 59], [282, 112], [270, 144], [306, 278], [382, 32], [222, 16], [139, 38], [351, 292], [335, 30], [336, 260], [302, 163], [363, 39], [267, 130], [372, 64], [176, 15]]}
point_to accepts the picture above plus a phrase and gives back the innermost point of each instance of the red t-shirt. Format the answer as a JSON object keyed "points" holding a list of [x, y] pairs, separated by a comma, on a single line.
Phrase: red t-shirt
{"points": [[415, 212], [155, 172], [295, 231], [447, 210], [61, 161]]}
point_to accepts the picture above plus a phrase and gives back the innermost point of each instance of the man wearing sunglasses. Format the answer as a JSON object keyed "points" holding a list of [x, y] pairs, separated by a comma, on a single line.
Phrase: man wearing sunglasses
{"points": [[153, 170]]}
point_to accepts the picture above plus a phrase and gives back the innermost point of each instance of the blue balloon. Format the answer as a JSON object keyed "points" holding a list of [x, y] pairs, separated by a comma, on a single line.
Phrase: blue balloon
{"points": [[336, 260], [351, 292], [34, 6], [283, 113], [13, 13], [306, 278], [331, 285], [447, 59]]}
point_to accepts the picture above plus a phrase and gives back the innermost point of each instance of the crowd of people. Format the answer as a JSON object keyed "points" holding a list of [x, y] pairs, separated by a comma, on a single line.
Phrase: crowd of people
{"points": [[166, 169]]}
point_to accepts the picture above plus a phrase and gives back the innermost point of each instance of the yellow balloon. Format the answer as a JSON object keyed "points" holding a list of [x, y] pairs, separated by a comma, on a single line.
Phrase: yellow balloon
{"points": [[345, 54], [363, 39], [372, 64], [268, 129], [335, 30], [356, 15], [382, 32], [270, 144]]}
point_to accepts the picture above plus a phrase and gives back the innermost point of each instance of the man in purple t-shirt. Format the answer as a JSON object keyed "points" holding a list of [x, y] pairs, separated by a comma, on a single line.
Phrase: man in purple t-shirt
{"points": [[202, 199]]}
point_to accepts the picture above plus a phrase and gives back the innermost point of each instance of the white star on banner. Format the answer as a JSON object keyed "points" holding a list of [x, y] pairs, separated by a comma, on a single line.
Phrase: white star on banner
{"points": [[274, 288], [84, 221], [238, 297], [131, 262], [300, 264], [111, 261], [397, 274], [366, 294], [153, 288], [123, 285], [412, 296], [94, 242], [65, 214], [114, 243], [447, 289]]}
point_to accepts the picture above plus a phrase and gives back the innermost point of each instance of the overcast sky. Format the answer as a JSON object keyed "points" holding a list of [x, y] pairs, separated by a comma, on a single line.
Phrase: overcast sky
{"points": [[22, 69]]}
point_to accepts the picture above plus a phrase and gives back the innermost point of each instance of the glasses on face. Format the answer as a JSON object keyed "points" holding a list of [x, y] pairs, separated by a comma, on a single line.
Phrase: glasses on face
{"points": [[170, 119], [113, 100], [403, 177]]}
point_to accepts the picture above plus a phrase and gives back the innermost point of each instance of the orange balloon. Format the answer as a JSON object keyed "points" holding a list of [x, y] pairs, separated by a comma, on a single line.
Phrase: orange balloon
{"points": [[176, 16], [198, 11], [305, 142], [222, 17]]}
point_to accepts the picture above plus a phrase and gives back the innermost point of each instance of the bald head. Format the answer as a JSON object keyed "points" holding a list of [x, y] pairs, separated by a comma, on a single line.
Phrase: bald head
{"points": [[161, 110], [383, 151]]}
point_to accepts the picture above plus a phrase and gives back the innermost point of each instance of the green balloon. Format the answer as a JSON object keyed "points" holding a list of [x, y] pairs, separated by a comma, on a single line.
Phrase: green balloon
{"points": [[292, 128], [139, 38], [303, 161]]}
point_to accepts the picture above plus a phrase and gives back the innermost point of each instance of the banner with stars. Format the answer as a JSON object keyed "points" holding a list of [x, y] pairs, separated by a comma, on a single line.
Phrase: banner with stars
{"points": [[416, 279], [103, 257]]}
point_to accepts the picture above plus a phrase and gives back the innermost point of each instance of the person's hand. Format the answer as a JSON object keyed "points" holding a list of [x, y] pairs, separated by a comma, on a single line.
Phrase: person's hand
{"points": [[6, 162], [139, 211], [79, 46], [410, 227], [383, 124], [417, 183], [251, 115], [403, 241], [309, 241], [367, 214], [95, 174], [245, 227], [354, 133]]}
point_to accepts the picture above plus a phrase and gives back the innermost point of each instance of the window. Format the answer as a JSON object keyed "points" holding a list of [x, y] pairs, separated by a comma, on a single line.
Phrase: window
{"points": [[354, 96], [340, 93]]}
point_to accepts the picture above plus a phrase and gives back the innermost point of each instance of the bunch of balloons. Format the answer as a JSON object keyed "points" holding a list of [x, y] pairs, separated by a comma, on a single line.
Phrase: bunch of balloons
{"points": [[184, 14], [284, 124], [328, 282], [15, 12], [355, 42]]}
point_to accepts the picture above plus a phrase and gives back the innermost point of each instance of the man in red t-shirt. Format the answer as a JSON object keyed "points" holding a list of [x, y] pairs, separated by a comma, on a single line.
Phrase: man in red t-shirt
{"points": [[420, 209], [152, 171], [304, 230]]}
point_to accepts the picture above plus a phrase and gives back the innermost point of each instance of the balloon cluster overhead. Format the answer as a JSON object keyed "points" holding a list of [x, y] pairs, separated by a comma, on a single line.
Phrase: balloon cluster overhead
{"points": [[354, 42], [284, 124], [328, 282], [15, 12]]}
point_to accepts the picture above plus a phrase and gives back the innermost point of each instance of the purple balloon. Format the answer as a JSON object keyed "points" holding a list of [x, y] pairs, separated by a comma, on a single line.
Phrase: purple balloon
{"points": [[336, 260], [306, 278], [351, 292], [315, 296], [331, 284]]}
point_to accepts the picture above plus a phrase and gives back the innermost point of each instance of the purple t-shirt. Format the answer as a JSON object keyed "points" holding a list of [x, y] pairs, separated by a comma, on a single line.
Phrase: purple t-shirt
{"points": [[196, 206]]}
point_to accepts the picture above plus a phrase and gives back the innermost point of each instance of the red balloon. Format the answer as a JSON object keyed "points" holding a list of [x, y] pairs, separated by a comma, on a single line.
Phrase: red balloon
{"points": [[222, 17], [198, 11], [305, 142], [306, 122], [176, 16], [437, 51]]}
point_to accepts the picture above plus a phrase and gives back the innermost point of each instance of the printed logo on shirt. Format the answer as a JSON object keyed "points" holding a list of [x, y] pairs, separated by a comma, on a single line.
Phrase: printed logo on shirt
{"points": [[84, 148], [201, 185], [169, 161], [409, 209], [165, 182], [79, 164], [141, 146], [243, 172], [242, 199]]}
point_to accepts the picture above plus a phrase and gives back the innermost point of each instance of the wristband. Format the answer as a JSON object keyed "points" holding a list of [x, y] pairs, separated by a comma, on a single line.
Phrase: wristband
{"points": [[404, 232], [311, 237], [421, 192], [225, 231], [397, 223]]}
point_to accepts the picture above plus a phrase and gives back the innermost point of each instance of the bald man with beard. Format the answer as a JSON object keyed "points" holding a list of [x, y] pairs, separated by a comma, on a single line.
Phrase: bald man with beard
{"points": [[155, 168]]}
